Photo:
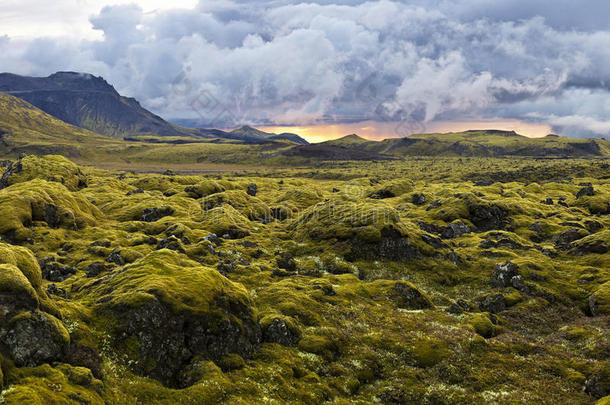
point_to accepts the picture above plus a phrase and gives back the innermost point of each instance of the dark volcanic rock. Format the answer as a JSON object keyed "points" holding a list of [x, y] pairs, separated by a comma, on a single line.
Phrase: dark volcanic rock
{"points": [[34, 338], [407, 296], [95, 268], [585, 191], [252, 190], [52, 289], [455, 230], [116, 258], [154, 214], [285, 261], [171, 243], [418, 199], [486, 218], [54, 271], [493, 303], [565, 238], [598, 383], [136, 191], [279, 331], [168, 341], [506, 275]]}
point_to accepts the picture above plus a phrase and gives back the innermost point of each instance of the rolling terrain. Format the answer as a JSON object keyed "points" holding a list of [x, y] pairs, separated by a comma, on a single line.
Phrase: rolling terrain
{"points": [[464, 268]]}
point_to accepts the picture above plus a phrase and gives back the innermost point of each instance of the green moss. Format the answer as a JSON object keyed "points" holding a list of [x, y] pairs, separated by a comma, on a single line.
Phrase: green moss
{"points": [[482, 325], [52, 168], [250, 207], [39, 200], [16, 290], [429, 352], [600, 299]]}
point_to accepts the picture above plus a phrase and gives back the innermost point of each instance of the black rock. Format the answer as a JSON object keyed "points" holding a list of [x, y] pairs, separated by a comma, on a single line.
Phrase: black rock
{"points": [[285, 261], [154, 214], [115, 257], [136, 191], [455, 230], [493, 303], [35, 339], [101, 243], [505, 275], [419, 199], [486, 218], [95, 268], [226, 267], [171, 243], [281, 332], [52, 289], [214, 239], [53, 271], [585, 191], [252, 190], [565, 238], [434, 242], [598, 383]]}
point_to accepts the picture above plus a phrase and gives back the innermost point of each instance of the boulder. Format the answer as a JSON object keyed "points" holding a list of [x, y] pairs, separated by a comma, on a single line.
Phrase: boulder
{"points": [[252, 190], [585, 191], [280, 330], [407, 296], [493, 303], [174, 310], [155, 214], [34, 338], [53, 271], [506, 275], [599, 301], [455, 230]]}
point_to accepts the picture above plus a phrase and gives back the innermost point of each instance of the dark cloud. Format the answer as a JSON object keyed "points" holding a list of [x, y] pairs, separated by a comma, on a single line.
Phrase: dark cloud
{"points": [[288, 62]]}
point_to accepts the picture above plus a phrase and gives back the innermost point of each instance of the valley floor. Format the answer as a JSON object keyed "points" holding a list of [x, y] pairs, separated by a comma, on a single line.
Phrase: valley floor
{"points": [[434, 281]]}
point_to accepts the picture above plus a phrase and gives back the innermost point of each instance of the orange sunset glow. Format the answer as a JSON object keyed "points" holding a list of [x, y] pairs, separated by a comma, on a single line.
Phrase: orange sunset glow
{"points": [[380, 130]]}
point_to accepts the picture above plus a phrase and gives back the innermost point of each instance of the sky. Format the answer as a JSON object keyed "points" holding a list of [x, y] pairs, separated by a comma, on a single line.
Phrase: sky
{"points": [[331, 67]]}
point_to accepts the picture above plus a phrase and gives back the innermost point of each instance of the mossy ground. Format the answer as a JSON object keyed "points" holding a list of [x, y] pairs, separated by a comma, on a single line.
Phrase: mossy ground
{"points": [[371, 330]]}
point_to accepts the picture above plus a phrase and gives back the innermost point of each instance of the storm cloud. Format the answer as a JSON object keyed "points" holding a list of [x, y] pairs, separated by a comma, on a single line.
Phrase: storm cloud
{"points": [[228, 62]]}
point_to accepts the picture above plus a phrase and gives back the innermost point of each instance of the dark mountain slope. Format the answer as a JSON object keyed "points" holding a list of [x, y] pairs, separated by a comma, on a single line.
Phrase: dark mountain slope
{"points": [[89, 102]]}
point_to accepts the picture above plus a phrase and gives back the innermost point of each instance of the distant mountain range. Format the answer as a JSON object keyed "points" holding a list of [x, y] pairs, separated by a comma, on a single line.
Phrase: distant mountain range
{"points": [[484, 143], [91, 103], [66, 112]]}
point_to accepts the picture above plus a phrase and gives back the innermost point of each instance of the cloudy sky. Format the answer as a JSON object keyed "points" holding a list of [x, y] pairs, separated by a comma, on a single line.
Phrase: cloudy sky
{"points": [[329, 67]]}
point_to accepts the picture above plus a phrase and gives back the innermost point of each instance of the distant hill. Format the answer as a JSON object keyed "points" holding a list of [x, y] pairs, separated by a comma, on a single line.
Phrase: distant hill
{"points": [[487, 143], [89, 102], [247, 132]]}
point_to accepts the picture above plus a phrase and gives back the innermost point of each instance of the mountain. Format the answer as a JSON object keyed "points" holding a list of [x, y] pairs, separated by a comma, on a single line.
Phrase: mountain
{"points": [[249, 133], [481, 143], [89, 102], [25, 128]]}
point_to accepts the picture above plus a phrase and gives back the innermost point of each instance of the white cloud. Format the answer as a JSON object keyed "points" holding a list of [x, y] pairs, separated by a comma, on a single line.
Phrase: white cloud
{"points": [[297, 63]]}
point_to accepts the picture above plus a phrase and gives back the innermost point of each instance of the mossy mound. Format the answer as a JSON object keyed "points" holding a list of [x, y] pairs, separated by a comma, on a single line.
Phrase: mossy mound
{"points": [[63, 384], [250, 207], [204, 188], [301, 197], [372, 230], [175, 309], [394, 188], [484, 215], [599, 301], [226, 220], [24, 259], [39, 200], [31, 337], [52, 168]]}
